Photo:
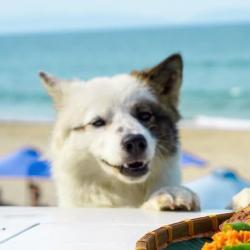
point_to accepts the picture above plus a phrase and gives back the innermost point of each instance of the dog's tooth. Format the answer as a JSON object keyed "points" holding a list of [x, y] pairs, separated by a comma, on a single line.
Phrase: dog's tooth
{"points": [[126, 165]]}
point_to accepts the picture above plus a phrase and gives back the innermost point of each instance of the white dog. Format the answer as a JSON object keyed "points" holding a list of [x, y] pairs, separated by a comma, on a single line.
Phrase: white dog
{"points": [[115, 141]]}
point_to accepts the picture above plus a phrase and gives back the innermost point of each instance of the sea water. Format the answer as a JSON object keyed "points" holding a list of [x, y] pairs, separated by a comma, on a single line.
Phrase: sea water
{"points": [[216, 66]]}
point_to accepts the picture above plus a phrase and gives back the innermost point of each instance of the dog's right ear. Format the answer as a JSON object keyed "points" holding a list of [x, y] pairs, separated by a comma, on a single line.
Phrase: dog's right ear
{"points": [[54, 87], [165, 80]]}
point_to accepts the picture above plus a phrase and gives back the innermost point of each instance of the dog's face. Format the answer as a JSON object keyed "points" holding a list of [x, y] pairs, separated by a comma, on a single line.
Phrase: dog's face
{"points": [[123, 123]]}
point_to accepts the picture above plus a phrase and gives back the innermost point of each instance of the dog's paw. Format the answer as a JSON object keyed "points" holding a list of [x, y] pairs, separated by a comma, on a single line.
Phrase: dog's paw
{"points": [[173, 199], [242, 199]]}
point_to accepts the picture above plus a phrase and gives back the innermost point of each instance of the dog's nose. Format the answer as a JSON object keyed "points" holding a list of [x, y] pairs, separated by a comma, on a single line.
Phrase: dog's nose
{"points": [[134, 144]]}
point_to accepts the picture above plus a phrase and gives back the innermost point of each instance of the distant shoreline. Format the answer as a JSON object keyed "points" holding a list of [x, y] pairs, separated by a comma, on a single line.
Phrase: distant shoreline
{"points": [[199, 122]]}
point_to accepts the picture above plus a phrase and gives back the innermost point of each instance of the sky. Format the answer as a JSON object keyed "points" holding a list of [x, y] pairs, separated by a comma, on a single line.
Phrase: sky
{"points": [[47, 15]]}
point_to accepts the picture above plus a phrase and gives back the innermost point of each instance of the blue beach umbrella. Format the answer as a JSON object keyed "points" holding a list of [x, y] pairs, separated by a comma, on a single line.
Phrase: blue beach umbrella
{"points": [[188, 159], [24, 163], [40, 169]]}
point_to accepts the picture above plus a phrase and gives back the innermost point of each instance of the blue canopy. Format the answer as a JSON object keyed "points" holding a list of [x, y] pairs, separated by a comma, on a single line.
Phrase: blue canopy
{"points": [[217, 189], [188, 159], [24, 163]]}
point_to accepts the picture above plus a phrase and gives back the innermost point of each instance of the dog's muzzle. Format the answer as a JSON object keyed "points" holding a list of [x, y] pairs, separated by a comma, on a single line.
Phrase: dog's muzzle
{"points": [[134, 145], [135, 169]]}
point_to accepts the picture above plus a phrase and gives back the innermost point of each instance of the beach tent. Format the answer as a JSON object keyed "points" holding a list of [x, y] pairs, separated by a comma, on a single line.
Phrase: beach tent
{"points": [[217, 189], [188, 159], [25, 171], [25, 162]]}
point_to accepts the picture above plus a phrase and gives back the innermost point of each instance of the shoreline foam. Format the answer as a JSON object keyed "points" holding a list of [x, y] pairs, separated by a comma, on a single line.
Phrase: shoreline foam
{"points": [[217, 123]]}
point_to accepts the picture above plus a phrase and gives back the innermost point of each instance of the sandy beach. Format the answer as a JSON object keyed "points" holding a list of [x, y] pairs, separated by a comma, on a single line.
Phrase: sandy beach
{"points": [[221, 148]]}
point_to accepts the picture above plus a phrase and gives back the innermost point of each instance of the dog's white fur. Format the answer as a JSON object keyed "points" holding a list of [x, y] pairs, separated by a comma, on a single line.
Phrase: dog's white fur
{"points": [[77, 148]]}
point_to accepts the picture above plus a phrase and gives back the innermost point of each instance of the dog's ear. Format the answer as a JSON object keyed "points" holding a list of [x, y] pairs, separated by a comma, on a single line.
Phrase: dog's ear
{"points": [[164, 79], [55, 88]]}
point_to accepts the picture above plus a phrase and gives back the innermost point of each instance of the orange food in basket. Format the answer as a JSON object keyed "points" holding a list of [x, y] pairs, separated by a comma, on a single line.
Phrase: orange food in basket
{"points": [[235, 233], [228, 238]]}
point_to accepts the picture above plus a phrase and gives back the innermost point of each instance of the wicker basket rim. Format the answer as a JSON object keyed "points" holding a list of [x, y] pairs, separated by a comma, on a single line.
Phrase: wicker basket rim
{"points": [[184, 230]]}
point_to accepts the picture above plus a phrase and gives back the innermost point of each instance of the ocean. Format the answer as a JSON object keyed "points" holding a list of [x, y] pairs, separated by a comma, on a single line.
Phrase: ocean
{"points": [[216, 66]]}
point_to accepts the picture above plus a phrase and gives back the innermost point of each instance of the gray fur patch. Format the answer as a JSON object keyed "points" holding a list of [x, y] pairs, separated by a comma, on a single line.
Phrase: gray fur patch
{"points": [[161, 125]]}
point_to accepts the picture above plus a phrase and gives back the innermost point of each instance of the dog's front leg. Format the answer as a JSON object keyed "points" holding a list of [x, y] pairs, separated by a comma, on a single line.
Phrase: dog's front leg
{"points": [[173, 198]]}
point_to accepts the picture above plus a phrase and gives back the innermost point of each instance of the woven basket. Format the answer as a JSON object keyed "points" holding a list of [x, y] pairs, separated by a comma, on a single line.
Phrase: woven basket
{"points": [[167, 235]]}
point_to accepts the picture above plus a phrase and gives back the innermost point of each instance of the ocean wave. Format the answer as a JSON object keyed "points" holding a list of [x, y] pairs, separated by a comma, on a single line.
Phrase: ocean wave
{"points": [[223, 123]]}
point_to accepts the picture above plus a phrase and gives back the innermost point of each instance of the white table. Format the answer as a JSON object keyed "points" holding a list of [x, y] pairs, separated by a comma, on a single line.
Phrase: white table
{"points": [[80, 229]]}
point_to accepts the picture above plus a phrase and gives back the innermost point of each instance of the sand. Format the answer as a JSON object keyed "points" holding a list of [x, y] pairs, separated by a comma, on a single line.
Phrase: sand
{"points": [[220, 148], [15, 135]]}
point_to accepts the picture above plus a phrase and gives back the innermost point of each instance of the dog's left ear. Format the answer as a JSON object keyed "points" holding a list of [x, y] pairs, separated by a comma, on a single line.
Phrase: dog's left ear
{"points": [[55, 87], [164, 79]]}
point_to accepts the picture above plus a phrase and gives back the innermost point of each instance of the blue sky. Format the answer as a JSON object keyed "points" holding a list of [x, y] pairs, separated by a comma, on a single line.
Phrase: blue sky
{"points": [[42, 15]]}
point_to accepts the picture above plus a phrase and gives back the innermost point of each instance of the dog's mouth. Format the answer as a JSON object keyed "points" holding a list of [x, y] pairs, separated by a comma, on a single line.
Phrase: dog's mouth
{"points": [[133, 169]]}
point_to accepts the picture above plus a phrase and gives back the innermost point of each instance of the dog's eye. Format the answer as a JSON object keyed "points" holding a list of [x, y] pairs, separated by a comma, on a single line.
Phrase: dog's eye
{"points": [[144, 116], [98, 122]]}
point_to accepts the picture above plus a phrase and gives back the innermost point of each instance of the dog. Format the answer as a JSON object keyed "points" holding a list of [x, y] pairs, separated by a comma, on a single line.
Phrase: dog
{"points": [[115, 141]]}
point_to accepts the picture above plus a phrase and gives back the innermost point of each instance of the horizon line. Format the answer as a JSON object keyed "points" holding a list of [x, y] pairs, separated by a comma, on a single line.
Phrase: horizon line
{"points": [[47, 30]]}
